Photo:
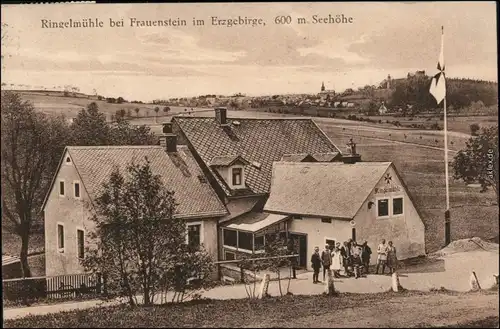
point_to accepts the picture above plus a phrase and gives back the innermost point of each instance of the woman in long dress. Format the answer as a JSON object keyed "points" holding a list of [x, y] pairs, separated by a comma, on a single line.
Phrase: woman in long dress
{"points": [[336, 260], [391, 257]]}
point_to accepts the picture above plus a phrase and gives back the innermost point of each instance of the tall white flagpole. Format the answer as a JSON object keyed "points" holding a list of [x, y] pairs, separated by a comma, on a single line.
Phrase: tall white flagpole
{"points": [[445, 128]]}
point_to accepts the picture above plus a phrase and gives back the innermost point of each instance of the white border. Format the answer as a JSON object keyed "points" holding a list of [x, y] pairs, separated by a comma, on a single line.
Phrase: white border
{"points": [[60, 250]]}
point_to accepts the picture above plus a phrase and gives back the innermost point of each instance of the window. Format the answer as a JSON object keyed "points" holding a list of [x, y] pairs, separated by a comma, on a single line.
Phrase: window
{"points": [[330, 243], [397, 206], [60, 237], [229, 255], [61, 188], [259, 242], [296, 217], [245, 240], [194, 235], [237, 172], [230, 238], [81, 243], [326, 220], [383, 207], [68, 160], [77, 189]]}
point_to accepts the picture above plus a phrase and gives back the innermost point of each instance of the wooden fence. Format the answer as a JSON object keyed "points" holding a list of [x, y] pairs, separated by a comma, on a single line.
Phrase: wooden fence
{"points": [[55, 287]]}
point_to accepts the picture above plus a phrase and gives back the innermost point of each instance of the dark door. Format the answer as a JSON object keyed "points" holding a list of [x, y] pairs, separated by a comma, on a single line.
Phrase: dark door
{"points": [[300, 241]]}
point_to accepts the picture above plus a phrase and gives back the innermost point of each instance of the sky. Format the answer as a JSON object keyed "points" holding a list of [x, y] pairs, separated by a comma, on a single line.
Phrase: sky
{"points": [[146, 63]]}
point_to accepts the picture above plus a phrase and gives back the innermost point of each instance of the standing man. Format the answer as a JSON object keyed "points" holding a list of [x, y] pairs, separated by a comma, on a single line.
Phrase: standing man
{"points": [[326, 259], [345, 251], [316, 264], [366, 253], [381, 255]]}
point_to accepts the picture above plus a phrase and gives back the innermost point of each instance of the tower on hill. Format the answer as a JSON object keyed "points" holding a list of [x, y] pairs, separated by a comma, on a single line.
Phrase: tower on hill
{"points": [[322, 86]]}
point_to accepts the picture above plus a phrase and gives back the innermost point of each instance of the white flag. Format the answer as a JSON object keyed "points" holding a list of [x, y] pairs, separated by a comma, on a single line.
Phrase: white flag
{"points": [[438, 87], [438, 83]]}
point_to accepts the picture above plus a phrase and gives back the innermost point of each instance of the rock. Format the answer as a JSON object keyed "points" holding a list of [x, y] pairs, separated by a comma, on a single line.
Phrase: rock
{"points": [[396, 286], [330, 287]]}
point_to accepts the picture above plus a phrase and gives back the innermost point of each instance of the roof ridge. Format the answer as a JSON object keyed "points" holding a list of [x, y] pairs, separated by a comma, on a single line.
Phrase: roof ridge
{"points": [[372, 163], [107, 147], [260, 119]]}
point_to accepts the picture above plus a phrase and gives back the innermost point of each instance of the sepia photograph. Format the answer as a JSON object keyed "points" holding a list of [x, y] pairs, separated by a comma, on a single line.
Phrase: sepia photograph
{"points": [[272, 165]]}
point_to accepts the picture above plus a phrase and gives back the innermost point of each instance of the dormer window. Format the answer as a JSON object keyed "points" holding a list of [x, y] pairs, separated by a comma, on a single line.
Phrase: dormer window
{"points": [[231, 169], [237, 176]]}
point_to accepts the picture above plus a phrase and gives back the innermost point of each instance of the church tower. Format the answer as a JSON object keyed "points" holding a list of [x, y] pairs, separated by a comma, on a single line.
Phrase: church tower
{"points": [[323, 86]]}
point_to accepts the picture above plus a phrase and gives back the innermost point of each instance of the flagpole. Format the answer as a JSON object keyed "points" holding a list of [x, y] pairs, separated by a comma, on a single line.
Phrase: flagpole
{"points": [[447, 218]]}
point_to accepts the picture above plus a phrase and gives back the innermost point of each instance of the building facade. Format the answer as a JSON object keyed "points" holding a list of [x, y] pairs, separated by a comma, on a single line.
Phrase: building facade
{"points": [[68, 207]]}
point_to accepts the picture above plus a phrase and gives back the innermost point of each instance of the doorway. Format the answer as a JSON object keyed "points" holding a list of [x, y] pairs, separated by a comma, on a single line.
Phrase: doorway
{"points": [[300, 240]]}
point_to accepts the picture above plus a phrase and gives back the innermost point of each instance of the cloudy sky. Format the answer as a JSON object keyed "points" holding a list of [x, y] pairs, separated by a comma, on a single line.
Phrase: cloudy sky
{"points": [[161, 62]]}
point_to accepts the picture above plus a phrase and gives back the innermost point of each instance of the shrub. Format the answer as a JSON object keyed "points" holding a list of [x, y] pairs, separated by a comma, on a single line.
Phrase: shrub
{"points": [[474, 129]]}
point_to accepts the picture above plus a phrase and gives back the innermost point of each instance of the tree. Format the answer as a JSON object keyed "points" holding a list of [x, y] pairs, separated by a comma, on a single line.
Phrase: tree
{"points": [[120, 100], [479, 160], [90, 127], [138, 243], [32, 144], [157, 109], [136, 111], [166, 109], [277, 246]]}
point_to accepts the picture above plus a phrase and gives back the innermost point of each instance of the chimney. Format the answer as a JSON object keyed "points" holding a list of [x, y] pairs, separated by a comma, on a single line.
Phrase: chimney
{"points": [[169, 142], [167, 128], [351, 157], [221, 115]]}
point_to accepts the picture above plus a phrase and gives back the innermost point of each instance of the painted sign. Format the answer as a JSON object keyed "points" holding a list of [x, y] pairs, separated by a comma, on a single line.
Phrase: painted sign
{"points": [[389, 189]]}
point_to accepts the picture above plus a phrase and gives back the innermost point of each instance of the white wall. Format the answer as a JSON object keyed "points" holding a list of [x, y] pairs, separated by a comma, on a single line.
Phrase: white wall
{"points": [[317, 232], [406, 231]]}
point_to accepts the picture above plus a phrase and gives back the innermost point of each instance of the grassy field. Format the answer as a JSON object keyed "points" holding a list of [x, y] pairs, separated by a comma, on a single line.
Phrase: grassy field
{"points": [[403, 310], [57, 103]]}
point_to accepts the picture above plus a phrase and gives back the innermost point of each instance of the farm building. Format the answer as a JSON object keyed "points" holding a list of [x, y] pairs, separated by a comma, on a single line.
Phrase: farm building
{"points": [[79, 178], [338, 201]]}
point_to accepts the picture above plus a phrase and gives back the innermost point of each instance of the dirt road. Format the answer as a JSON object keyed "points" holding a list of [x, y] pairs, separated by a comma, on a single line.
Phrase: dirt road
{"points": [[404, 312]]}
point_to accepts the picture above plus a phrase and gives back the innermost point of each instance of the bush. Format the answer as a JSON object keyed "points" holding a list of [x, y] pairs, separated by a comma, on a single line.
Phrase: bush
{"points": [[474, 129]]}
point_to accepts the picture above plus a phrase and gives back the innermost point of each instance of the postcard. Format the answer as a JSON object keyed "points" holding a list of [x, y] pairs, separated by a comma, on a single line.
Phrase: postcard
{"points": [[248, 164]]}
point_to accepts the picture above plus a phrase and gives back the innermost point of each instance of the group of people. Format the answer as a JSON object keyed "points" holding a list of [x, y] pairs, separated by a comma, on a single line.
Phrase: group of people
{"points": [[352, 258]]}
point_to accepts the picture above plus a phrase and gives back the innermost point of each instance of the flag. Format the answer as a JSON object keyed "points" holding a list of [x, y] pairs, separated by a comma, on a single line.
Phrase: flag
{"points": [[438, 83]]}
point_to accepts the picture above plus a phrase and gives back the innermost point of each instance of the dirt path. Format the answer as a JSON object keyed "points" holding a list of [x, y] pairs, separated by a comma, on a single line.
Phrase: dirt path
{"points": [[403, 312]]}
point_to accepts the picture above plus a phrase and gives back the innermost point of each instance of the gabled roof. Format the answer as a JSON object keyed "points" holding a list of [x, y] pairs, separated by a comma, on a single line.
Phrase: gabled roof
{"points": [[179, 172], [332, 189], [257, 140], [228, 160], [296, 157], [326, 157]]}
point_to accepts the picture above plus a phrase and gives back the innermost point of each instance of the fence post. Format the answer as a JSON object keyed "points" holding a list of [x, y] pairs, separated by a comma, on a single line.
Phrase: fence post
{"points": [[99, 285], [242, 274]]}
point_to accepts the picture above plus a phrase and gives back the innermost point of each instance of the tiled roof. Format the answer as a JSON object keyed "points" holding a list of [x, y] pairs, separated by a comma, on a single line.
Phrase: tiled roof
{"points": [[332, 189], [294, 157], [238, 207], [227, 160], [257, 140], [179, 172]]}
